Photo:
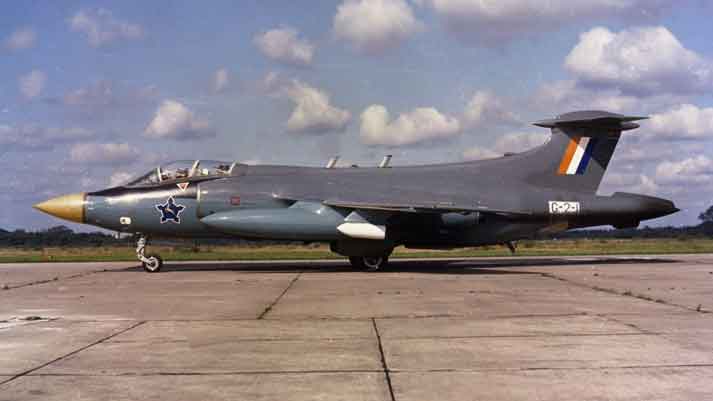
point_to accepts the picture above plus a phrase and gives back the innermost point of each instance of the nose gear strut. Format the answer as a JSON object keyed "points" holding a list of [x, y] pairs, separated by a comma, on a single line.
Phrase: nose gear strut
{"points": [[152, 263]]}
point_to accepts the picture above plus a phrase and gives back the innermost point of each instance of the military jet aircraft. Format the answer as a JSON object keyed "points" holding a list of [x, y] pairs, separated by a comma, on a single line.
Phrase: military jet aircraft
{"points": [[363, 213]]}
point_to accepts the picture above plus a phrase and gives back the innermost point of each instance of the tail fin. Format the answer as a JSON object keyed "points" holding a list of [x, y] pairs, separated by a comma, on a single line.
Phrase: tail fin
{"points": [[578, 152]]}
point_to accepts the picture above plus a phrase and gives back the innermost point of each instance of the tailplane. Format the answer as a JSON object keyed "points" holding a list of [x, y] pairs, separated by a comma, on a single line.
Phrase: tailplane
{"points": [[578, 152]]}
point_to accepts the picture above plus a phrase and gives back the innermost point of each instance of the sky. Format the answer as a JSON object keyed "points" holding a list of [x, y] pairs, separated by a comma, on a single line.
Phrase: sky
{"points": [[93, 93]]}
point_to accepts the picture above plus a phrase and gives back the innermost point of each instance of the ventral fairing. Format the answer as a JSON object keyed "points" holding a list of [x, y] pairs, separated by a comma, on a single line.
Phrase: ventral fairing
{"points": [[364, 213]]}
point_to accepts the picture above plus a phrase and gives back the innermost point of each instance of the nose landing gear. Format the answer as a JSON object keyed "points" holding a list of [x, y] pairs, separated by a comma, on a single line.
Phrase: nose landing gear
{"points": [[152, 263]]}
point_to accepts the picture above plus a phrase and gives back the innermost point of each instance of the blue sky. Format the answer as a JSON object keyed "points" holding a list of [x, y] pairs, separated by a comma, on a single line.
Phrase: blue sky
{"points": [[94, 92]]}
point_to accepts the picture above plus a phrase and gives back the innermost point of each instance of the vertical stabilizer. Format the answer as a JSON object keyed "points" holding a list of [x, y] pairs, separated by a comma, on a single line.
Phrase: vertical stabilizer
{"points": [[579, 151]]}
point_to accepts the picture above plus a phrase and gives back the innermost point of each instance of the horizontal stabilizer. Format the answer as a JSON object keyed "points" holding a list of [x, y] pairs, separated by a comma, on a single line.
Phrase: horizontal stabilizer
{"points": [[592, 118]]}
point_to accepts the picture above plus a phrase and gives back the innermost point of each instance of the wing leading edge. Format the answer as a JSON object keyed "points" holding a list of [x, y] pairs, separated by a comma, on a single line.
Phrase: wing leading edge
{"points": [[434, 207]]}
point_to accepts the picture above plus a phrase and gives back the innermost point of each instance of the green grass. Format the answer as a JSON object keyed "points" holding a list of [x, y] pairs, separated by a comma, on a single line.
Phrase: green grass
{"points": [[525, 248]]}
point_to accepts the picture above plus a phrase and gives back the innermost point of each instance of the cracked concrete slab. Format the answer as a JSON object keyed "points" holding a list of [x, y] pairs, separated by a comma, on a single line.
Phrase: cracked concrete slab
{"points": [[14, 275], [687, 284], [135, 295], [486, 293], [500, 327], [27, 346], [264, 387], [221, 355], [248, 330], [650, 384], [550, 352], [491, 329]]}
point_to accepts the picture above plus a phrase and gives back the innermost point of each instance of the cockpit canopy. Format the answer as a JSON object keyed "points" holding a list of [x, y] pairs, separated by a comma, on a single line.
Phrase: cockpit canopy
{"points": [[184, 169]]}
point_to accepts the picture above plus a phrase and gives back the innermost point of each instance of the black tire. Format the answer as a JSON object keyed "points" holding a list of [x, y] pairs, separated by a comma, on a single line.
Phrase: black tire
{"points": [[155, 264], [375, 263], [369, 263]]}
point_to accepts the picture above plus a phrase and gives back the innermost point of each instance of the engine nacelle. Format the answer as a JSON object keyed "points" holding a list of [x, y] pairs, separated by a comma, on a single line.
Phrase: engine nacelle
{"points": [[300, 222]]}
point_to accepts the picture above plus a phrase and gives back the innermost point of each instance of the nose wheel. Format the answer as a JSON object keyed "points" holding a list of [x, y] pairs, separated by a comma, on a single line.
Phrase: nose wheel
{"points": [[152, 263]]}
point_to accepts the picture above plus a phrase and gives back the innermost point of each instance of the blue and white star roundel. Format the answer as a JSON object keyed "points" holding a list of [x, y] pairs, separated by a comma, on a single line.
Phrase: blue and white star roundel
{"points": [[170, 211]]}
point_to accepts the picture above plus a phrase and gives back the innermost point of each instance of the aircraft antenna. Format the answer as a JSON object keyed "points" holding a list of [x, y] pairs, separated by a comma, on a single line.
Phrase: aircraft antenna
{"points": [[385, 161]]}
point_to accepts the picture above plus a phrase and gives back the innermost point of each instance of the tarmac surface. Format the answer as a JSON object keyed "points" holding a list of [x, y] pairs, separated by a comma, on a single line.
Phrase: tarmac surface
{"points": [[584, 328]]}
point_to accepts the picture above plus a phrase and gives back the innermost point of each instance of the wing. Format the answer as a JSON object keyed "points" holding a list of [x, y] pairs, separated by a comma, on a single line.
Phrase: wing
{"points": [[422, 207]]}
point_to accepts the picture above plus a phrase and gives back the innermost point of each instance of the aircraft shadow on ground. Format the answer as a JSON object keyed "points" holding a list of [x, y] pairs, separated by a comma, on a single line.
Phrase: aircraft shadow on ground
{"points": [[474, 266]]}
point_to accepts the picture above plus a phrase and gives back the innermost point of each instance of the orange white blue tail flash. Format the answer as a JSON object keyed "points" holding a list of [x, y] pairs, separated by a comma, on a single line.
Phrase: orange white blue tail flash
{"points": [[577, 155]]}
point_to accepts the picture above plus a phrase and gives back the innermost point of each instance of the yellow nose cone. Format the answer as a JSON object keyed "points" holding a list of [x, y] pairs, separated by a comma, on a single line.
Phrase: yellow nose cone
{"points": [[68, 207]]}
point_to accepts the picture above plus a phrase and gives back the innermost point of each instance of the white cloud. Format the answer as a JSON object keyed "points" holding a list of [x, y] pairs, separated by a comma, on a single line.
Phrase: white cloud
{"points": [[628, 182], [221, 80], [496, 22], [102, 28], [570, 95], [284, 45], [479, 153], [274, 84], [23, 38], [313, 113], [103, 96], [68, 134], [32, 84], [509, 143], [639, 60], [34, 137], [21, 138], [119, 178], [104, 153], [174, 120], [486, 108], [418, 125], [519, 142], [693, 170], [374, 26], [100, 93], [683, 122]]}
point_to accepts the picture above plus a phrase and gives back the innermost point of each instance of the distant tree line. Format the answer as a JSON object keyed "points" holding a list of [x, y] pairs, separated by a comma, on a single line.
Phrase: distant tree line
{"points": [[699, 231], [57, 237]]}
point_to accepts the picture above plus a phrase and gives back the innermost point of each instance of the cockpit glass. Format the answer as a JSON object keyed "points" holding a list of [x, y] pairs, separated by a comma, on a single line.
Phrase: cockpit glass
{"points": [[213, 167], [149, 178], [177, 170], [183, 169]]}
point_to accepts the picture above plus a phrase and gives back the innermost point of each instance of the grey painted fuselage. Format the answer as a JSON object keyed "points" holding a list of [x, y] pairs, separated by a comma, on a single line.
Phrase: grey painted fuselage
{"points": [[549, 188]]}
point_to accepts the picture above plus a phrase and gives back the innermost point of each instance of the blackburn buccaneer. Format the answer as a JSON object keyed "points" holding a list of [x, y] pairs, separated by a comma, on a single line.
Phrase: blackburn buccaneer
{"points": [[363, 213]]}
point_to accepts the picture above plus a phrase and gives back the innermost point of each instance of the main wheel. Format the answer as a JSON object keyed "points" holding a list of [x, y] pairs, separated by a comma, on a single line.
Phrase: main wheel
{"points": [[154, 264], [374, 263], [369, 263]]}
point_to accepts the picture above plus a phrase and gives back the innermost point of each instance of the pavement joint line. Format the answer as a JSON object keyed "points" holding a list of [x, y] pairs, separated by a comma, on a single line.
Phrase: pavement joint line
{"points": [[224, 373], [614, 291], [544, 335], [549, 368], [632, 325], [101, 340], [350, 338], [384, 365], [55, 279], [391, 371], [254, 340], [279, 297]]}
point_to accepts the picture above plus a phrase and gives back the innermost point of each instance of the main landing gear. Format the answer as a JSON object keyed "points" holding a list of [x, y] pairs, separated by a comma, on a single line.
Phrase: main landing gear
{"points": [[369, 263], [512, 246], [152, 263]]}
